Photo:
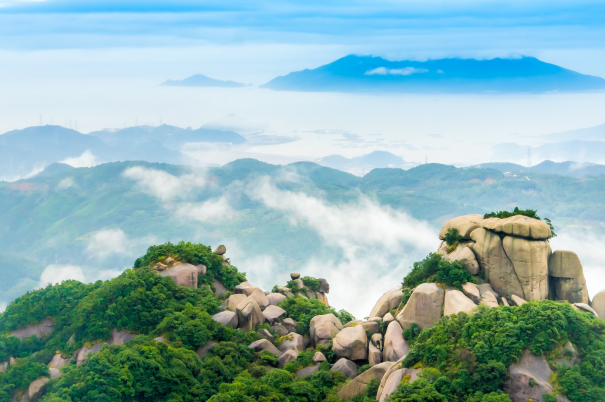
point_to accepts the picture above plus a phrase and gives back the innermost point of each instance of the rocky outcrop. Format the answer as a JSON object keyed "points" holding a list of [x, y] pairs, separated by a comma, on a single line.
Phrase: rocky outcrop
{"points": [[82, 354], [249, 314], [220, 250], [598, 304], [345, 366], [456, 302], [530, 261], [58, 361], [390, 300], [519, 226], [465, 255], [424, 307], [183, 274], [274, 314], [227, 318], [393, 379], [585, 307], [279, 329], [351, 343], [232, 301], [220, 288], [275, 298], [286, 358], [358, 385], [319, 357], [567, 280], [261, 298], [395, 347], [324, 286], [471, 291], [292, 341], [120, 337], [203, 350], [517, 300], [374, 355], [289, 324], [323, 328], [264, 344], [39, 330], [497, 268], [307, 371], [371, 327], [488, 299], [245, 288], [464, 224]]}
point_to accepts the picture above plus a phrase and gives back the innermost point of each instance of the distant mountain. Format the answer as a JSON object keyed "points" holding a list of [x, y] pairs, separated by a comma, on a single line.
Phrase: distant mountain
{"points": [[596, 133], [364, 163], [375, 74], [200, 80], [576, 151], [572, 169]]}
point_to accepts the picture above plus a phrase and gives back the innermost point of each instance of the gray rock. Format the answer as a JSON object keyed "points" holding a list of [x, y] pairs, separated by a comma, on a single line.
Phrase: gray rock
{"points": [[598, 304], [232, 301], [286, 358], [54, 373], [266, 334], [424, 307], [390, 300], [203, 350], [274, 314], [346, 366], [289, 324], [353, 323], [465, 255], [279, 329], [120, 337], [292, 341], [374, 355], [377, 341], [567, 277], [388, 318], [517, 300], [519, 226], [375, 319], [322, 298], [324, 286], [84, 352], [358, 385], [220, 250], [393, 379], [227, 318], [323, 328], [3, 367], [486, 287], [39, 330], [307, 371], [488, 299], [319, 357], [568, 360], [159, 339], [249, 314], [183, 275], [261, 298], [264, 344], [395, 347], [245, 288], [294, 275], [275, 298], [504, 301], [529, 368], [586, 307], [471, 291], [58, 361], [351, 343], [371, 327], [201, 269], [530, 260], [36, 389], [456, 302], [220, 289], [464, 224]]}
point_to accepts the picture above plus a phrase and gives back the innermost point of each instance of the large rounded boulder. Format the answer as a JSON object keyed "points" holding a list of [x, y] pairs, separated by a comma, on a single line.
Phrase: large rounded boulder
{"points": [[351, 343], [519, 226], [323, 328], [464, 224], [567, 280], [530, 260], [424, 307], [390, 300], [395, 347], [249, 314]]}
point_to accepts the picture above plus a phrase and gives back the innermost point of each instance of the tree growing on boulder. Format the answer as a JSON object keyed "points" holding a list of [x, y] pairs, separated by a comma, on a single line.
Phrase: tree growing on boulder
{"points": [[435, 269]]}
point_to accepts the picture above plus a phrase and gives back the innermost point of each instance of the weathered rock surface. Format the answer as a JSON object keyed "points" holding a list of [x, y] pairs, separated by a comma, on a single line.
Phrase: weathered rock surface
{"points": [[84, 352], [35, 390], [358, 385], [521, 226], [319, 357], [183, 274], [351, 343], [292, 341], [41, 329], [377, 340], [345, 366], [261, 298], [388, 318], [249, 314], [390, 300], [54, 373], [371, 327], [374, 355], [227, 318], [494, 262], [220, 250], [245, 288], [568, 360], [465, 255], [486, 287], [264, 344], [294, 275], [232, 301], [586, 307], [279, 329], [395, 347], [455, 302], [290, 324], [517, 300], [323, 328], [58, 361], [275, 298], [471, 291], [488, 299], [219, 288], [465, 224], [393, 379], [504, 301], [424, 307], [567, 277], [203, 350], [530, 260], [598, 304], [286, 358], [274, 314], [307, 371], [201, 269], [529, 368], [322, 298], [120, 337], [265, 334], [324, 286]]}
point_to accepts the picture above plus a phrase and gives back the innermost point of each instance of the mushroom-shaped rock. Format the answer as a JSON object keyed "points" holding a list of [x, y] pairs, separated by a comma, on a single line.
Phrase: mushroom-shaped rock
{"points": [[290, 324], [374, 355], [58, 361], [264, 344], [345, 366], [520, 226], [567, 277], [245, 288], [203, 350], [351, 343], [294, 275], [471, 291], [529, 378], [249, 314], [324, 286], [423, 308], [395, 347], [358, 385], [497, 267], [120, 337], [323, 328], [36, 389], [598, 304], [465, 255], [488, 299], [227, 318], [292, 341], [307, 371], [319, 357], [39, 330], [585, 307], [275, 298], [456, 301], [464, 224], [182, 274], [286, 358], [517, 300], [261, 298], [390, 300], [220, 250], [232, 301], [392, 380], [279, 329], [274, 314], [530, 260]]}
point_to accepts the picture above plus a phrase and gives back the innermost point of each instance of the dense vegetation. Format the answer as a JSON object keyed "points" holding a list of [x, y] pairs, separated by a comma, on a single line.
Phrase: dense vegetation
{"points": [[435, 269]]}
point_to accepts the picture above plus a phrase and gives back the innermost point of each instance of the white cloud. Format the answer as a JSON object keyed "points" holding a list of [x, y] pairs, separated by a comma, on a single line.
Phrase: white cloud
{"points": [[115, 242], [164, 185], [397, 71], [217, 208], [87, 159], [57, 273], [65, 183]]}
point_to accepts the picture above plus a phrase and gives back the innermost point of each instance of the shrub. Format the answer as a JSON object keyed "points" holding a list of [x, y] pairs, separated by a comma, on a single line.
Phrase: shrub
{"points": [[435, 269], [311, 283], [527, 212]]}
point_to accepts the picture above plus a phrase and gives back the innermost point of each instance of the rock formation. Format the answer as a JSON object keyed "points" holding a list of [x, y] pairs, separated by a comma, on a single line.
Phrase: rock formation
{"points": [[424, 307]]}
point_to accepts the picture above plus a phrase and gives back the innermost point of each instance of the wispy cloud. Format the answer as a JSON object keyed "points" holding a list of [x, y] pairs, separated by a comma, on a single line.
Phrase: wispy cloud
{"points": [[163, 185], [87, 159], [105, 243], [396, 71], [57, 273]]}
